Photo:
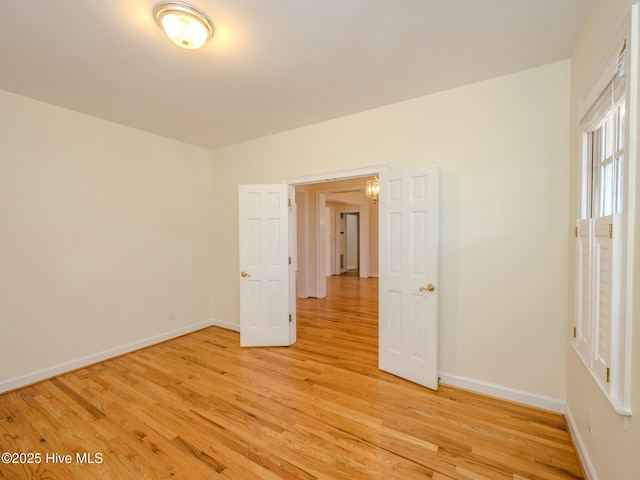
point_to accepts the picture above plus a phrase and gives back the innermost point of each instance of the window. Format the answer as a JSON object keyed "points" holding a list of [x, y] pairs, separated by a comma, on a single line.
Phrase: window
{"points": [[603, 161], [601, 238]]}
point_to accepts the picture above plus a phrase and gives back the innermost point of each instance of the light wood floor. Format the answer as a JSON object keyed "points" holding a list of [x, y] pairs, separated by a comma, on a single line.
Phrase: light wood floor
{"points": [[199, 407]]}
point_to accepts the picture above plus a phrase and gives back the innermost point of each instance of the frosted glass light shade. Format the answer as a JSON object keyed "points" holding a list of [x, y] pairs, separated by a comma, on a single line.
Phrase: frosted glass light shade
{"points": [[185, 25]]}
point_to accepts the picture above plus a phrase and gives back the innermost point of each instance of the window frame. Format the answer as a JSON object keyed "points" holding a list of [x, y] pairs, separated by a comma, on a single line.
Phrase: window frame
{"points": [[594, 116]]}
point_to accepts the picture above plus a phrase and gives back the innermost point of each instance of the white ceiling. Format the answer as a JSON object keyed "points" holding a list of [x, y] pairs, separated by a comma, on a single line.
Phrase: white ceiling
{"points": [[273, 65]]}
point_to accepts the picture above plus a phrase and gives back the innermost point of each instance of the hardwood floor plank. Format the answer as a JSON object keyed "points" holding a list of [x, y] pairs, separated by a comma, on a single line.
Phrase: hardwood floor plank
{"points": [[201, 407], [198, 454], [77, 398]]}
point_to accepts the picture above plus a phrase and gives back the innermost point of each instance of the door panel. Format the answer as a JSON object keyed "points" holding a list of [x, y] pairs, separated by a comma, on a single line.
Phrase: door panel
{"points": [[409, 274], [264, 264]]}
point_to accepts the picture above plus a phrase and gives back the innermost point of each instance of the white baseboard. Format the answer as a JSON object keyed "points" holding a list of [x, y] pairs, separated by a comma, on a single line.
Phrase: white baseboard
{"points": [[589, 470], [38, 376], [505, 393], [224, 324]]}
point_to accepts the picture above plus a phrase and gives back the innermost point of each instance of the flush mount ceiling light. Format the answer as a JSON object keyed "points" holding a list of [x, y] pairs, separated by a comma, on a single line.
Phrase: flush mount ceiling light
{"points": [[186, 26]]}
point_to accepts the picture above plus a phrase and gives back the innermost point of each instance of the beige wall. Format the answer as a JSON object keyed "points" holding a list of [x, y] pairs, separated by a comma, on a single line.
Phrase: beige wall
{"points": [[613, 452], [502, 147], [105, 230]]}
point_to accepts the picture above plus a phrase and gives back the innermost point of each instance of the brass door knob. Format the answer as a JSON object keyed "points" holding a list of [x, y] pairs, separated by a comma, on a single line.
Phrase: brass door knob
{"points": [[429, 288], [244, 274]]}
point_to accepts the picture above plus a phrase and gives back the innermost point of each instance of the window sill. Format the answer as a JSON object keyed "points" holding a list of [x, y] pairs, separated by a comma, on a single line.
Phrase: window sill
{"points": [[617, 404]]}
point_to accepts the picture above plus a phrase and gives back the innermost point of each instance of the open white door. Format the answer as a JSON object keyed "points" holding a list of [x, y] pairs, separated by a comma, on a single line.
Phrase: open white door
{"points": [[265, 283], [408, 317]]}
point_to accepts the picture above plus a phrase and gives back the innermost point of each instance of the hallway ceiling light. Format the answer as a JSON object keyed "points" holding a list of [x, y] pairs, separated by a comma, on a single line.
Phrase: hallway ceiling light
{"points": [[372, 189], [186, 26]]}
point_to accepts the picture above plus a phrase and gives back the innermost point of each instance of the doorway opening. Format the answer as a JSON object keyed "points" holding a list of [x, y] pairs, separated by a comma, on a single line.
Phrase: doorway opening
{"points": [[336, 228], [335, 239], [347, 256]]}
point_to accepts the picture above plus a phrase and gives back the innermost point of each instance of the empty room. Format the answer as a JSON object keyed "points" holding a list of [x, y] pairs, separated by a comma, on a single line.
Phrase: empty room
{"points": [[327, 239]]}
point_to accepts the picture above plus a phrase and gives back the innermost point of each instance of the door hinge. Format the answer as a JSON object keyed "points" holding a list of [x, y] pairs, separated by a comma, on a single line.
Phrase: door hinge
{"points": [[608, 376], [575, 332], [290, 320], [289, 202], [610, 230], [576, 232], [289, 260]]}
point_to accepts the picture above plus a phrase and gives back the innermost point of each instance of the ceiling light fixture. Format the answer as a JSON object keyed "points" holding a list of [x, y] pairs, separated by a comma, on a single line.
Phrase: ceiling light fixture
{"points": [[372, 189], [186, 26]]}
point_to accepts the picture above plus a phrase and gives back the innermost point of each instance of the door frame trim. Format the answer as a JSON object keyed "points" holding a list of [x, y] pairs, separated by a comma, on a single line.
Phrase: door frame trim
{"points": [[337, 175]]}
